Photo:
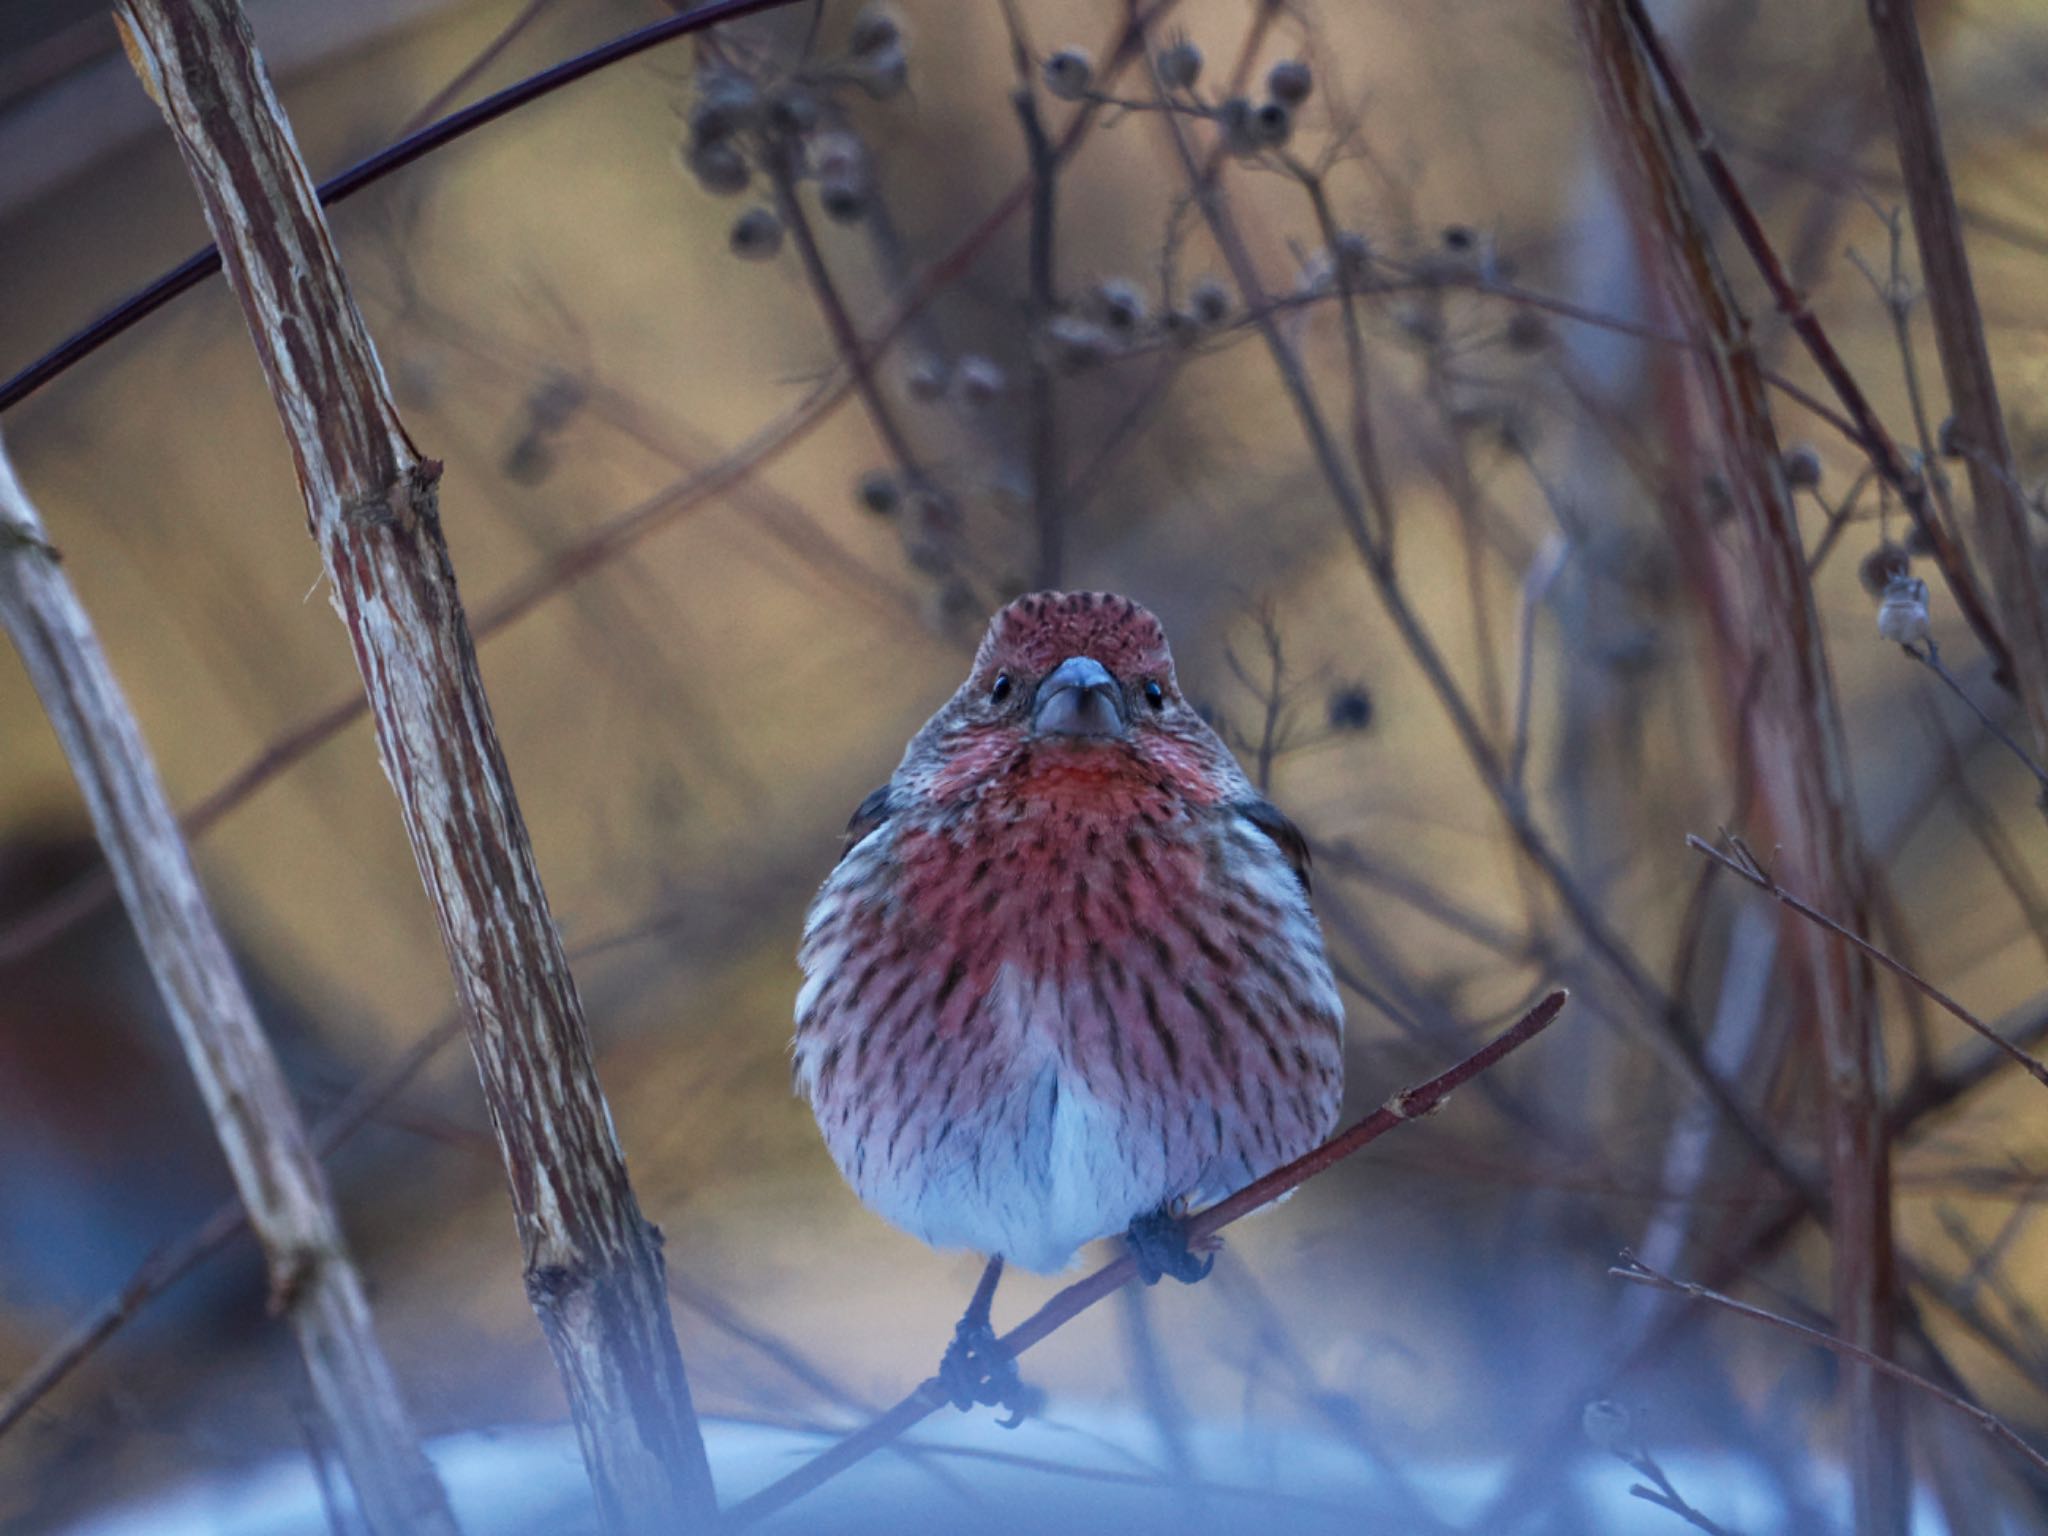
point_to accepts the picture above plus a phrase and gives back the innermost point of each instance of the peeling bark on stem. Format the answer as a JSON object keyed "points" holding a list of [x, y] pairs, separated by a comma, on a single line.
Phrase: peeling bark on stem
{"points": [[593, 1264], [312, 1280], [1793, 733]]}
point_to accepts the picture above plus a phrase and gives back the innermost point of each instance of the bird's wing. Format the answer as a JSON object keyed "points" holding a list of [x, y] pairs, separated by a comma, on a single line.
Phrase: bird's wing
{"points": [[870, 814], [1286, 836]]}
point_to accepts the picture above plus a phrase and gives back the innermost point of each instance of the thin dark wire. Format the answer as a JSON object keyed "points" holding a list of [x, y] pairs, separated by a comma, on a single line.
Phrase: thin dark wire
{"points": [[196, 268]]}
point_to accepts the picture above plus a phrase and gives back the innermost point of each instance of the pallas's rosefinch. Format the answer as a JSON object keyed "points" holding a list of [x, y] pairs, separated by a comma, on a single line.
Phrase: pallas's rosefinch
{"points": [[1065, 980]]}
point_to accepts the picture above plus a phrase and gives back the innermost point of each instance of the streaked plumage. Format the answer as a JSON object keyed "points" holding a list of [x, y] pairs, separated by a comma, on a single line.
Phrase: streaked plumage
{"points": [[1066, 972]]}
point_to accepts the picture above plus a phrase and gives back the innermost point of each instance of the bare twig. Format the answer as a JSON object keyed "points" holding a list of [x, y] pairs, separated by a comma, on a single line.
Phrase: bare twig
{"points": [[1048, 477], [593, 1263], [1744, 863], [595, 549], [857, 359], [176, 1259], [313, 1282], [1769, 627], [1632, 1269], [1666, 1032], [470, 73], [1999, 508], [1607, 1422], [200, 265], [1871, 434], [1929, 657], [1423, 1099]]}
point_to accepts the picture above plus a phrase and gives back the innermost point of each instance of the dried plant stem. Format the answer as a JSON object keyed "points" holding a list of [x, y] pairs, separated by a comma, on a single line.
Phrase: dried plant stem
{"points": [[2000, 511], [593, 1264], [200, 265], [1791, 724], [595, 549], [1666, 1033], [1048, 471], [1413, 1104], [177, 1259], [857, 360], [1632, 1269], [1663, 1493], [312, 1280], [1929, 656], [1870, 431], [1744, 864]]}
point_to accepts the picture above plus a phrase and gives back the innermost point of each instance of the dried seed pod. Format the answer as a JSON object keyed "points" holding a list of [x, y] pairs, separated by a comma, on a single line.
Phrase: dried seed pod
{"points": [[726, 103], [719, 167], [978, 379], [879, 493], [1180, 65], [756, 235], [927, 378], [1240, 130], [1290, 82], [1881, 567], [1074, 343], [1350, 708], [792, 111], [1902, 616], [1069, 73], [884, 73], [1272, 124], [1802, 467], [845, 199], [875, 28], [1210, 303], [1120, 305]]}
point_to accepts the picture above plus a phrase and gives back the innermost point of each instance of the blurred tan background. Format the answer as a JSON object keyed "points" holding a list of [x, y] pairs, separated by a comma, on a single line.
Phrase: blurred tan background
{"points": [[689, 724]]}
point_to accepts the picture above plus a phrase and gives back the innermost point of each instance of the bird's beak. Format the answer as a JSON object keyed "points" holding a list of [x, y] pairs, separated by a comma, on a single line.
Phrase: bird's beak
{"points": [[1078, 698]]}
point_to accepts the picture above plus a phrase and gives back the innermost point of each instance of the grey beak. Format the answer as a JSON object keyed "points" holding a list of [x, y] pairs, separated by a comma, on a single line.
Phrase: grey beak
{"points": [[1078, 698]]}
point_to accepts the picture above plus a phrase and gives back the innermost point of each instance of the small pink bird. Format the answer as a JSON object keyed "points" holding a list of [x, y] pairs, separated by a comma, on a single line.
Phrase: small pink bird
{"points": [[1065, 981]]}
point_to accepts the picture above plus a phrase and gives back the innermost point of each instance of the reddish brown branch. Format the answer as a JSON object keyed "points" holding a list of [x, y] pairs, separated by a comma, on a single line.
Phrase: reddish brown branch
{"points": [[277, 1177], [1782, 694], [593, 1264], [1417, 1102], [1872, 435], [1999, 507]]}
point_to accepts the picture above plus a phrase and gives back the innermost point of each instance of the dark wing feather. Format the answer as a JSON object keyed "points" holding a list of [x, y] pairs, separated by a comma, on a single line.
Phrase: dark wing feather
{"points": [[1286, 836], [871, 813]]}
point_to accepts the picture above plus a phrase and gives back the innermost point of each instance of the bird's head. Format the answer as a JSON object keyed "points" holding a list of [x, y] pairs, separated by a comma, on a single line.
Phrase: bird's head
{"points": [[1071, 685]]}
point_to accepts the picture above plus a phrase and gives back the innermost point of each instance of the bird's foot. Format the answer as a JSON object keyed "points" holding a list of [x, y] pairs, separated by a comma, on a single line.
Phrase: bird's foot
{"points": [[1159, 1242], [977, 1369]]}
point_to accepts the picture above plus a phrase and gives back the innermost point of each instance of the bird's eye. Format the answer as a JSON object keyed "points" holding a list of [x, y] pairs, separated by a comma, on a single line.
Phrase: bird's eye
{"points": [[1001, 690], [1154, 694]]}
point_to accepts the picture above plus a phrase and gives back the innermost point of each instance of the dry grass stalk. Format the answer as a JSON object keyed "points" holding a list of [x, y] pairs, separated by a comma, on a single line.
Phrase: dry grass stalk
{"points": [[593, 1264], [312, 1280], [1792, 731]]}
